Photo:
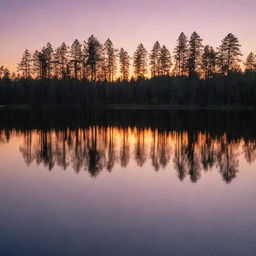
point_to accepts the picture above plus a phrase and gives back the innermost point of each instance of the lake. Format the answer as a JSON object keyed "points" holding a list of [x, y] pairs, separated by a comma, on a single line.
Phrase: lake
{"points": [[131, 182]]}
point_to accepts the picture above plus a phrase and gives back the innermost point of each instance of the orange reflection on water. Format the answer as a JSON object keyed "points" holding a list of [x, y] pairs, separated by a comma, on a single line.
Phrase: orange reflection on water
{"points": [[101, 148]]}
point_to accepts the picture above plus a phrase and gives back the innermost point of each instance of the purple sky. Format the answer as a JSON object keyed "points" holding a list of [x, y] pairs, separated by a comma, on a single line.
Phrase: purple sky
{"points": [[32, 23]]}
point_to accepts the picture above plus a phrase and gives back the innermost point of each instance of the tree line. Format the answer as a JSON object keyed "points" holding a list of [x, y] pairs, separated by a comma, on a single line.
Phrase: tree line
{"points": [[94, 74], [94, 61]]}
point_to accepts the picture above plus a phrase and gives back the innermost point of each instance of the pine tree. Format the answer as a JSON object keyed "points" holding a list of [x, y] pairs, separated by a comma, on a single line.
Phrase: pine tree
{"points": [[140, 61], [124, 61], [43, 62], [195, 54], [181, 55], [250, 64], [39, 65], [110, 59], [93, 57], [155, 59], [55, 62], [48, 57], [24, 65], [36, 66], [6, 74], [1, 72], [76, 58], [165, 61], [208, 62], [61, 61], [229, 54], [13, 76]]}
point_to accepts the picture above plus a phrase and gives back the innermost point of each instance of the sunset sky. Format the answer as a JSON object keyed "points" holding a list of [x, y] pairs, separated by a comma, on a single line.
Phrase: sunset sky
{"points": [[32, 23]]}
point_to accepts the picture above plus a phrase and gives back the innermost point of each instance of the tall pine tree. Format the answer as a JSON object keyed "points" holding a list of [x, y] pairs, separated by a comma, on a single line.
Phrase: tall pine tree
{"points": [[250, 63], [93, 56], [208, 62], [39, 65], [140, 62], [110, 59], [76, 58], [24, 65], [154, 58], [195, 54], [229, 54], [61, 61], [165, 61], [124, 62], [181, 55]]}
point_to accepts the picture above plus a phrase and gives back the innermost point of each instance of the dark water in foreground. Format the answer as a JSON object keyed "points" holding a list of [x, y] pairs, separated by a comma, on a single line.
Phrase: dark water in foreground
{"points": [[127, 183]]}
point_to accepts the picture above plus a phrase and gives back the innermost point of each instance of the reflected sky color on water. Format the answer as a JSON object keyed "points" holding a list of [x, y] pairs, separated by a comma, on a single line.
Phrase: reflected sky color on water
{"points": [[98, 189]]}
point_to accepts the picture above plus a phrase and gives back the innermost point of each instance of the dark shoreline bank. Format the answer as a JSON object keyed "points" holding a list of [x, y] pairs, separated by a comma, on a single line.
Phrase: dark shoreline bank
{"points": [[128, 107]]}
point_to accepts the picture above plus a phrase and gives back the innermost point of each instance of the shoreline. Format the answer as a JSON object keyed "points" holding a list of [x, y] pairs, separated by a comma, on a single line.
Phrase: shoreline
{"points": [[128, 107]]}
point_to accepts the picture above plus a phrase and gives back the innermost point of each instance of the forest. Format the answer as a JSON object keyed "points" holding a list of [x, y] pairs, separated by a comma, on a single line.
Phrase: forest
{"points": [[92, 74]]}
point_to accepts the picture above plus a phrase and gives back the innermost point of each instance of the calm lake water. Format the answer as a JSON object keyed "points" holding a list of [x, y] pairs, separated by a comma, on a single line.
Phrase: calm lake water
{"points": [[127, 183]]}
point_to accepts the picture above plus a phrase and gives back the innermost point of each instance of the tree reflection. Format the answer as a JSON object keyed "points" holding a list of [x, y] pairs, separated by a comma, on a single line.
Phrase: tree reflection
{"points": [[228, 159], [250, 151], [193, 158], [154, 151], [125, 148], [95, 148], [140, 149], [43, 152], [61, 149], [208, 153], [179, 159], [111, 151], [26, 148], [95, 158]]}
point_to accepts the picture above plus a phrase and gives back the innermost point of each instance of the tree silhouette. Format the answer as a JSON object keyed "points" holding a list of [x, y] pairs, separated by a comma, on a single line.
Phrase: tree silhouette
{"points": [[24, 65], [110, 58], [94, 65], [140, 61], [165, 61], [39, 65], [229, 54], [5, 73], [209, 62], [195, 54], [154, 58], [124, 60], [42, 62], [1, 72], [48, 58], [76, 58], [61, 61], [97, 62], [181, 55], [13, 76], [250, 64], [93, 53]]}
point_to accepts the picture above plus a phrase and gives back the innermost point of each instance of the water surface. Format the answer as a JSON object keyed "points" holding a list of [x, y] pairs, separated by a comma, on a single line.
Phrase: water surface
{"points": [[127, 182]]}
